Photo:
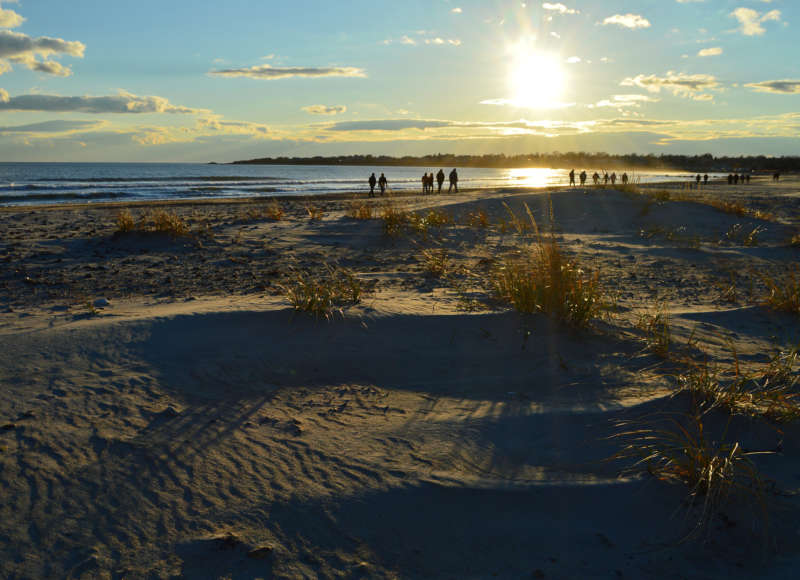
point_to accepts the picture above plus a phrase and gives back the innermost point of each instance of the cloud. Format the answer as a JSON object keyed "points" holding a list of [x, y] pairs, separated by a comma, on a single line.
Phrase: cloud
{"points": [[782, 87], [625, 101], [54, 127], [750, 21], [123, 102], [388, 125], [713, 51], [574, 60], [268, 72], [680, 84], [456, 10], [217, 125], [24, 49], [560, 8], [631, 21], [10, 19], [520, 105], [325, 109]]}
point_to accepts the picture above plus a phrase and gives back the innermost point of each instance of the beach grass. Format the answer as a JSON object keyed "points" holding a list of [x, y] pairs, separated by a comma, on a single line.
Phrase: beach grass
{"points": [[326, 293]]}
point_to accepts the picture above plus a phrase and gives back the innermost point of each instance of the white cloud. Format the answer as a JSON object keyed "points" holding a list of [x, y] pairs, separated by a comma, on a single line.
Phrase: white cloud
{"points": [[269, 72], [574, 60], [325, 109], [750, 21], [23, 49], [625, 101], [560, 8], [456, 11], [713, 51], [10, 19], [631, 21]]}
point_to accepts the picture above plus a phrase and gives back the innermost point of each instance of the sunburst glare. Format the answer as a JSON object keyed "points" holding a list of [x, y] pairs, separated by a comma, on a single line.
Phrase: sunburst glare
{"points": [[537, 79]]}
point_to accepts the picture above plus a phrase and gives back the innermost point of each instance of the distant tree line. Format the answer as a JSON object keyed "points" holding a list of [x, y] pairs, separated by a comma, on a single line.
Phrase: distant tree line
{"points": [[702, 163]]}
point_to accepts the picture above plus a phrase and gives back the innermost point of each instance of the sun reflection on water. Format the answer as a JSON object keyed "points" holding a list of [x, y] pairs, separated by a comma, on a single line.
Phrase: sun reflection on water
{"points": [[536, 176]]}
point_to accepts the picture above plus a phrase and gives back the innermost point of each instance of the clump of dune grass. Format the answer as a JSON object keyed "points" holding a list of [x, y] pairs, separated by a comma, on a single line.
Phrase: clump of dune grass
{"points": [[656, 328], [477, 219], [325, 293], [157, 221], [314, 213], [794, 240], [273, 211], [678, 449], [540, 278], [769, 392], [784, 292], [435, 262], [397, 220], [360, 211], [394, 219], [435, 218]]}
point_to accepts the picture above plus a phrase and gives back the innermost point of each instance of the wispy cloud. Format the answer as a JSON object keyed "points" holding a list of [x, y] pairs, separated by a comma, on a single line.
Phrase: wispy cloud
{"points": [[325, 109], [631, 21], [680, 84], [750, 21], [625, 101], [123, 102], [9, 18], [268, 72], [781, 87], [56, 126]]}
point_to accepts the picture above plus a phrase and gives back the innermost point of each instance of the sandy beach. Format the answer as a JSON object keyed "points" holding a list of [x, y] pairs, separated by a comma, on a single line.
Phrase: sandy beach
{"points": [[168, 414]]}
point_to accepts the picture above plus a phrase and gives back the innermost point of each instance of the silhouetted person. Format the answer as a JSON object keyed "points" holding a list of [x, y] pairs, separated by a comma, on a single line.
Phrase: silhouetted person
{"points": [[613, 179], [741, 179], [372, 182], [605, 178], [624, 179], [440, 179], [572, 177], [382, 183], [730, 179], [596, 178], [697, 179], [736, 179], [424, 183], [453, 181], [748, 178], [776, 176], [583, 178], [705, 179]]}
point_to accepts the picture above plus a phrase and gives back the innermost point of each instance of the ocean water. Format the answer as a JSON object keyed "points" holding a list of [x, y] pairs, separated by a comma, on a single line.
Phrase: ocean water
{"points": [[37, 183]]}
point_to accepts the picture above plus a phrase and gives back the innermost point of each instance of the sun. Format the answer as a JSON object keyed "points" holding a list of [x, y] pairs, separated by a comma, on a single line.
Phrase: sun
{"points": [[537, 79]]}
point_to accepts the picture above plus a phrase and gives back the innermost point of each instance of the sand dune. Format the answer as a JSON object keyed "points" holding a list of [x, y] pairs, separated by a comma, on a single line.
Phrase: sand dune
{"points": [[200, 428]]}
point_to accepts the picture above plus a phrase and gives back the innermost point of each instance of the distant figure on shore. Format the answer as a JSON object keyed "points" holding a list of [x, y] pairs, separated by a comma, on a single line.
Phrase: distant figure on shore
{"points": [[736, 179], [596, 178], [382, 183], [776, 176], [741, 178], [730, 179], [583, 178], [705, 179], [372, 182], [697, 180], [624, 179], [572, 177], [613, 178], [440, 179], [453, 181], [748, 178], [424, 183], [605, 178]]}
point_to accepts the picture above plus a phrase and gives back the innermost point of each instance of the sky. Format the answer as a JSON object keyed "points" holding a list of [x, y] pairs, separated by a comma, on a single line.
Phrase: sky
{"points": [[180, 80]]}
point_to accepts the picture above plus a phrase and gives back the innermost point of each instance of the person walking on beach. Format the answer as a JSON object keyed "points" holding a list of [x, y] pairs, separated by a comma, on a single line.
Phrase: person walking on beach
{"points": [[382, 183], [624, 179], [572, 178], [583, 178], [613, 179], [453, 181], [697, 179], [440, 179], [705, 179], [605, 178], [424, 183], [596, 178], [372, 182]]}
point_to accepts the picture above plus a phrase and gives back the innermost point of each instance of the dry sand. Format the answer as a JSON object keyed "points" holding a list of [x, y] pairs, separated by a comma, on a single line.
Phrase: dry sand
{"points": [[196, 427]]}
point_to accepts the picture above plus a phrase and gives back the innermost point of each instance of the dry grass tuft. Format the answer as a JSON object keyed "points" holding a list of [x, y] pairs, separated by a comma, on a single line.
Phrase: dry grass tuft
{"points": [[784, 292], [274, 211], [677, 449], [324, 294], [656, 326], [542, 279], [314, 213], [157, 221], [477, 219], [435, 262], [360, 211]]}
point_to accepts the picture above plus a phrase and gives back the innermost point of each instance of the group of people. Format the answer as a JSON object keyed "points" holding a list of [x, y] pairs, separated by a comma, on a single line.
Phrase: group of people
{"points": [[596, 178], [735, 179], [427, 182]]}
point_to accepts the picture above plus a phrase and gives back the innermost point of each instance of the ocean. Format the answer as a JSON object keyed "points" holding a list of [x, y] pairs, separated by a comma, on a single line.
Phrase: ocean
{"points": [[52, 183]]}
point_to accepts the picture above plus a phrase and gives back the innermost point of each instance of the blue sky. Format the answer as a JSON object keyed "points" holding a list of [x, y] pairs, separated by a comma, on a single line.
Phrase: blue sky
{"points": [[187, 81]]}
